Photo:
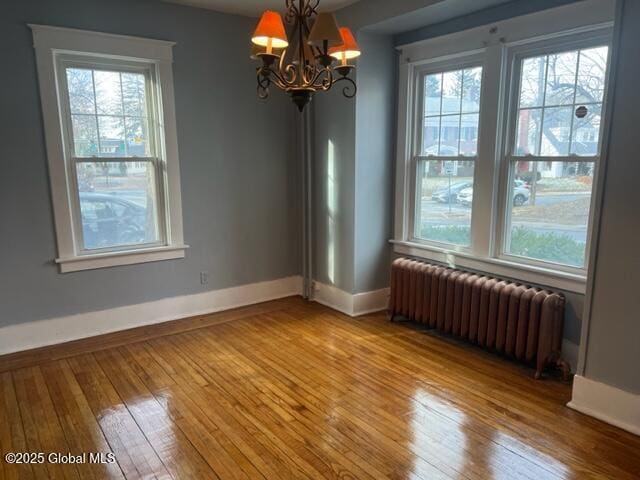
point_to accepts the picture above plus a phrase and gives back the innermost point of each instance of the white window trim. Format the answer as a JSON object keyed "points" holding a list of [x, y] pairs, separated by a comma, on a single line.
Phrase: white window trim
{"points": [[490, 199], [49, 42]]}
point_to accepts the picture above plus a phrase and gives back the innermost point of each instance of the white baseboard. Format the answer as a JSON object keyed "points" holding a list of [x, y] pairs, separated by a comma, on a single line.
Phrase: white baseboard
{"points": [[351, 304], [40, 333], [606, 403], [369, 302]]}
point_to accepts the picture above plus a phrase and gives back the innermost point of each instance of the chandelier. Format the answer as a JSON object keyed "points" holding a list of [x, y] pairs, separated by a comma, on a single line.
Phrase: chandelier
{"points": [[300, 58]]}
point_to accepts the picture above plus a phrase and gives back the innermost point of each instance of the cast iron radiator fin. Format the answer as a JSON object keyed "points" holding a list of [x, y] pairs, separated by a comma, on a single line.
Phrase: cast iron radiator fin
{"points": [[519, 321]]}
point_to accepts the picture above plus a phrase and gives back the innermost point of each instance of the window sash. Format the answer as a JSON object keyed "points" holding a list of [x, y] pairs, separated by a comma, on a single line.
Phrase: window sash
{"points": [[466, 62], [106, 64], [76, 213], [533, 49]]}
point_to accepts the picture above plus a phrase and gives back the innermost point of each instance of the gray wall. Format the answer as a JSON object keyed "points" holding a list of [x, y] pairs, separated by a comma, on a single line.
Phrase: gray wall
{"points": [[238, 163], [333, 186], [613, 348], [375, 160], [353, 158]]}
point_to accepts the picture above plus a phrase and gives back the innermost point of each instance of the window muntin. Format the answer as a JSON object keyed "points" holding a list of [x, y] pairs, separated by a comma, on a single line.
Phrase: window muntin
{"points": [[446, 161], [112, 152], [556, 143]]}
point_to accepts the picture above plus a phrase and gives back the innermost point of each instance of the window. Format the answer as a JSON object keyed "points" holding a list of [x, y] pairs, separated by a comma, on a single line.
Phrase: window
{"points": [[112, 147], [110, 113], [501, 147], [446, 161], [556, 144]]}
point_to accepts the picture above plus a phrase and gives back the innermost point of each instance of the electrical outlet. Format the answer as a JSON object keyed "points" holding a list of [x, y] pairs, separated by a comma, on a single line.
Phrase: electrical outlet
{"points": [[204, 277]]}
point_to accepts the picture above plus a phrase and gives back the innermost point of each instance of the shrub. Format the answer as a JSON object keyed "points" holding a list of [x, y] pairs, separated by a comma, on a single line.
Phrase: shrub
{"points": [[458, 235], [550, 247], [547, 246]]}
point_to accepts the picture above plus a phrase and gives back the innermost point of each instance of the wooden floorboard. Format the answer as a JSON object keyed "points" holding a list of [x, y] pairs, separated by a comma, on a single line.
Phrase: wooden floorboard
{"points": [[290, 389]]}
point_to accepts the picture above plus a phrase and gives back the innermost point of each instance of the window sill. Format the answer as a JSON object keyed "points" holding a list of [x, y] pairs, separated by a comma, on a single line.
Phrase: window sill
{"points": [[113, 259], [566, 281]]}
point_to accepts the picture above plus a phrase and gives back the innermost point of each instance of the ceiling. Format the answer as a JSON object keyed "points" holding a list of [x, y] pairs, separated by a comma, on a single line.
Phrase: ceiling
{"points": [[434, 13], [254, 8]]}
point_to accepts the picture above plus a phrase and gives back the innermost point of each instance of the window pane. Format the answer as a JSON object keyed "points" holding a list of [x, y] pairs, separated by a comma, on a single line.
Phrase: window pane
{"points": [[117, 204], [111, 136], [471, 90], [85, 135], [556, 128], [108, 92], [445, 193], [433, 94], [134, 94], [451, 91], [561, 78], [586, 132], [431, 136], [532, 82], [449, 134], [469, 134], [80, 85], [137, 138], [550, 211], [528, 132], [591, 75]]}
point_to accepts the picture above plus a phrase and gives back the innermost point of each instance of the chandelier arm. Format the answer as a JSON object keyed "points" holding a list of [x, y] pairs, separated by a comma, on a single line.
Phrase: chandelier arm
{"points": [[263, 84], [328, 81], [265, 81], [325, 78], [350, 90], [279, 80], [308, 75], [287, 74]]}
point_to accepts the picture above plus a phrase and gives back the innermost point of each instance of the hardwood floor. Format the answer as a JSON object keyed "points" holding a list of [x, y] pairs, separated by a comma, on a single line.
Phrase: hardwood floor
{"points": [[290, 389]]}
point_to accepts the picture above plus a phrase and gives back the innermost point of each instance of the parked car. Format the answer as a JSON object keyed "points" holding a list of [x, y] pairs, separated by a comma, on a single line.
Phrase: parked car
{"points": [[520, 195], [442, 151], [465, 197], [450, 194], [108, 220]]}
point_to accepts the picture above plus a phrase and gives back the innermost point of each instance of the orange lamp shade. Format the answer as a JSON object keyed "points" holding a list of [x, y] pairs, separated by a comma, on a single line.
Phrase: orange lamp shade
{"points": [[349, 47], [270, 31]]}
